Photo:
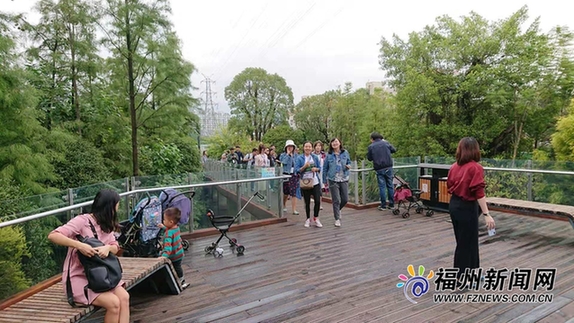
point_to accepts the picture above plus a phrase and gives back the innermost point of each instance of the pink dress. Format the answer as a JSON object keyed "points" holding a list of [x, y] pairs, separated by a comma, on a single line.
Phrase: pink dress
{"points": [[80, 225]]}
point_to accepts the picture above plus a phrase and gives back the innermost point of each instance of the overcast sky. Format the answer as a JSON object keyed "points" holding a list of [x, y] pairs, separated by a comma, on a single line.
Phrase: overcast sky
{"points": [[314, 45]]}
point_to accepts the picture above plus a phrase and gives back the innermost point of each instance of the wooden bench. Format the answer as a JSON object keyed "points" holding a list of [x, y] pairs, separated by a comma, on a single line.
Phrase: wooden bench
{"points": [[50, 304], [547, 210]]}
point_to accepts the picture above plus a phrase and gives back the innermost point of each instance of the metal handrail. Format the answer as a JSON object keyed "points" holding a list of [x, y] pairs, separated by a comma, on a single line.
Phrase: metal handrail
{"points": [[371, 168], [129, 193], [443, 166]]}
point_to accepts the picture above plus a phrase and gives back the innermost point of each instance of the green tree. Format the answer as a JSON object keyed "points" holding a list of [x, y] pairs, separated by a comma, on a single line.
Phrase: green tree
{"points": [[313, 115], [564, 136], [279, 135], [22, 149], [473, 78], [146, 66], [64, 58], [259, 100], [12, 249]]}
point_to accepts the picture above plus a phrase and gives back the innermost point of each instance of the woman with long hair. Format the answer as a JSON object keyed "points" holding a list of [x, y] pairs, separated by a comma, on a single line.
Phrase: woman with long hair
{"points": [[336, 172], [466, 184], [307, 165], [105, 221]]}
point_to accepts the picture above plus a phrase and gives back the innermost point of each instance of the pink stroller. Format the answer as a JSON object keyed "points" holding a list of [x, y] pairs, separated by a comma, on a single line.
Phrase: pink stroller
{"points": [[407, 198]]}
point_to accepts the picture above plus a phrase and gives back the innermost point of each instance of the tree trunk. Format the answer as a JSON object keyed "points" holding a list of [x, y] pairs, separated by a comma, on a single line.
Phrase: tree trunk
{"points": [[132, 95], [75, 96]]}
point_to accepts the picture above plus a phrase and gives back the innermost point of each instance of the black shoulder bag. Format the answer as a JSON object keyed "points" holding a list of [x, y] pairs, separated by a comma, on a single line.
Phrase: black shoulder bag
{"points": [[103, 274]]}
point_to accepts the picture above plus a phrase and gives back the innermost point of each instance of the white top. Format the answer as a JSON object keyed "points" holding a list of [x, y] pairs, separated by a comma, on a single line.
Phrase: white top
{"points": [[309, 174], [261, 160]]}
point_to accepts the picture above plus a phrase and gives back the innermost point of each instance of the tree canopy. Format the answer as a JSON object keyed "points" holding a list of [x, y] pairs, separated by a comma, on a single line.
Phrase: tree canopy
{"points": [[258, 101]]}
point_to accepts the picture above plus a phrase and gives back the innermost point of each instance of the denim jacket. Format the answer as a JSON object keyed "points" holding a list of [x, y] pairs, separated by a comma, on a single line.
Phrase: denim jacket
{"points": [[288, 162], [300, 161], [330, 165]]}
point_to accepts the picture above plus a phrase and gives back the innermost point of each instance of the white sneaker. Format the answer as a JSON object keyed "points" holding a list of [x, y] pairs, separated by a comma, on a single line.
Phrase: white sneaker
{"points": [[318, 223], [337, 223], [285, 210], [307, 223]]}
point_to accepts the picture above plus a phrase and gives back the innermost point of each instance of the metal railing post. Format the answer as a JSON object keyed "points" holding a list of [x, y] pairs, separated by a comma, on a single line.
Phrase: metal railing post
{"points": [[418, 171], [238, 193], [529, 185], [280, 198], [356, 183], [268, 195], [127, 198], [191, 216], [70, 202], [364, 183]]}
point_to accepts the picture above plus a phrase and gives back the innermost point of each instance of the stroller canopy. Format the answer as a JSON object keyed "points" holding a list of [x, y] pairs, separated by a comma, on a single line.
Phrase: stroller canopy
{"points": [[172, 198]]}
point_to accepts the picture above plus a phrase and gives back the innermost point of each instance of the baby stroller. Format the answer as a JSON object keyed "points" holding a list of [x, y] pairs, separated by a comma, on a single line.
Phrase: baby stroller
{"points": [[172, 198], [223, 223], [140, 235], [407, 198]]}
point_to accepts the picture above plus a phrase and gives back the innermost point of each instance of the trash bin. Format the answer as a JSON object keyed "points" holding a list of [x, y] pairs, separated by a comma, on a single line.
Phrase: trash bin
{"points": [[433, 186]]}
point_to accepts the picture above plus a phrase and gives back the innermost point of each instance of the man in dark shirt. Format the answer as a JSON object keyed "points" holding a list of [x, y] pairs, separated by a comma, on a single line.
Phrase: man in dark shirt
{"points": [[239, 154], [379, 152]]}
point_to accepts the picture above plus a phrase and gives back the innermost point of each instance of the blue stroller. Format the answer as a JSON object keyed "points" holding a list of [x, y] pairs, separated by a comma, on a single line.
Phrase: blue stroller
{"points": [[140, 235]]}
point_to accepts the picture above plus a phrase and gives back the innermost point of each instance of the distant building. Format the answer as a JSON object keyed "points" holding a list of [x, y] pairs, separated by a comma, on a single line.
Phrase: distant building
{"points": [[371, 86], [291, 120]]}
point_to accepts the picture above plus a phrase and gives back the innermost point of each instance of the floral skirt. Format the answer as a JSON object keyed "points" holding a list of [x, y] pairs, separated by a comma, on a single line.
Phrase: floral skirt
{"points": [[290, 185]]}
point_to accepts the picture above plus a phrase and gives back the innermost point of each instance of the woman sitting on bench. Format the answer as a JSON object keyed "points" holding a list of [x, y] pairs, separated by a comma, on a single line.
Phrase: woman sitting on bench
{"points": [[104, 219]]}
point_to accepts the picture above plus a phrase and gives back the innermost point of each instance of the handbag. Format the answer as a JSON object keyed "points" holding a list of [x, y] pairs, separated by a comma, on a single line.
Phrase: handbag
{"points": [[306, 183], [103, 274]]}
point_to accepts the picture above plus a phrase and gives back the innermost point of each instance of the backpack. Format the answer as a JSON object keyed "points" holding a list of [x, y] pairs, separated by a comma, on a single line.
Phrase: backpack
{"points": [[103, 274]]}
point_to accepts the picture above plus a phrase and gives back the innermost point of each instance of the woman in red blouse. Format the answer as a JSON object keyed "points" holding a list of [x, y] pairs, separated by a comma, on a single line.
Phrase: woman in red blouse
{"points": [[466, 184]]}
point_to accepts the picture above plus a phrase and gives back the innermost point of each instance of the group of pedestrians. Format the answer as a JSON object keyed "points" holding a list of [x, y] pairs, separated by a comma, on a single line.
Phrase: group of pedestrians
{"points": [[315, 171]]}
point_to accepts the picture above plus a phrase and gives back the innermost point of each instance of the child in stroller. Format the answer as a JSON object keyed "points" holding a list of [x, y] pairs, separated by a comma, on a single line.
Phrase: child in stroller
{"points": [[407, 198], [140, 235]]}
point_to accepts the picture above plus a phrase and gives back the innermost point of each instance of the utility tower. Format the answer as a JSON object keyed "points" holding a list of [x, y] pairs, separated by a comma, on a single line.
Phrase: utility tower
{"points": [[209, 119]]}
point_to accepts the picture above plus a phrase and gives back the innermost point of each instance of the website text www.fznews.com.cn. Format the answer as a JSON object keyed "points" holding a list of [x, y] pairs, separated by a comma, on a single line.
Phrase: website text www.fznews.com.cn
{"points": [[493, 298]]}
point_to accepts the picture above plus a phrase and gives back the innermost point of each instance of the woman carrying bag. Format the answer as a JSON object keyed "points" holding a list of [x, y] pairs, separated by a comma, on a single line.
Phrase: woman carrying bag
{"points": [[308, 167], [101, 222]]}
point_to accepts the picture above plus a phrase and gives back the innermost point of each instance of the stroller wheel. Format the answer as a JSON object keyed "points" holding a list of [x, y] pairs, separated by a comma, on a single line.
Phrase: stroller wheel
{"points": [[430, 213], [396, 211], [208, 249], [240, 250], [185, 244], [419, 210], [406, 215]]}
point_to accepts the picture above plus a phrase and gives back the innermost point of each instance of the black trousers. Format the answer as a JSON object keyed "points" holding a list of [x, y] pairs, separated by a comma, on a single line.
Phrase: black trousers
{"points": [[316, 192], [177, 266], [464, 216]]}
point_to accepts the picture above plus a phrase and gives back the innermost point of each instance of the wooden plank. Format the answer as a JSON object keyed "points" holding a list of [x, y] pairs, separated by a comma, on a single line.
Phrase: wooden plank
{"points": [[30, 291], [50, 303]]}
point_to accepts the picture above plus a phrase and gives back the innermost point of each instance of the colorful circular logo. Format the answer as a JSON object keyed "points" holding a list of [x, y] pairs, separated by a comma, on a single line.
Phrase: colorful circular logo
{"points": [[416, 285]]}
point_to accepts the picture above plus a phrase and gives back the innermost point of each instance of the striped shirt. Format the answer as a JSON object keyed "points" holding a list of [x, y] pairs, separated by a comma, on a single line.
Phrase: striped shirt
{"points": [[172, 247]]}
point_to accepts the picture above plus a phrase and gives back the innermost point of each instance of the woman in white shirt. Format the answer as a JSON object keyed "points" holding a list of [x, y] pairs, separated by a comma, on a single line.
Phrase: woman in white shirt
{"points": [[308, 166]]}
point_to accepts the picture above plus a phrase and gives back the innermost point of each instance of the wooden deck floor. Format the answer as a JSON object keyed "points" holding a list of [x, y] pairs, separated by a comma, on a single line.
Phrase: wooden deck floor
{"points": [[290, 273]]}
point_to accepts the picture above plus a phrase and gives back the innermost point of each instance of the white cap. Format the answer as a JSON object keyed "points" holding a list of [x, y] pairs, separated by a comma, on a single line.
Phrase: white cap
{"points": [[290, 143]]}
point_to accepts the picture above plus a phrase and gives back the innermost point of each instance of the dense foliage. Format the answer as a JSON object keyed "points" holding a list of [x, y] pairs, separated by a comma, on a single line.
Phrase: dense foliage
{"points": [[90, 92]]}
